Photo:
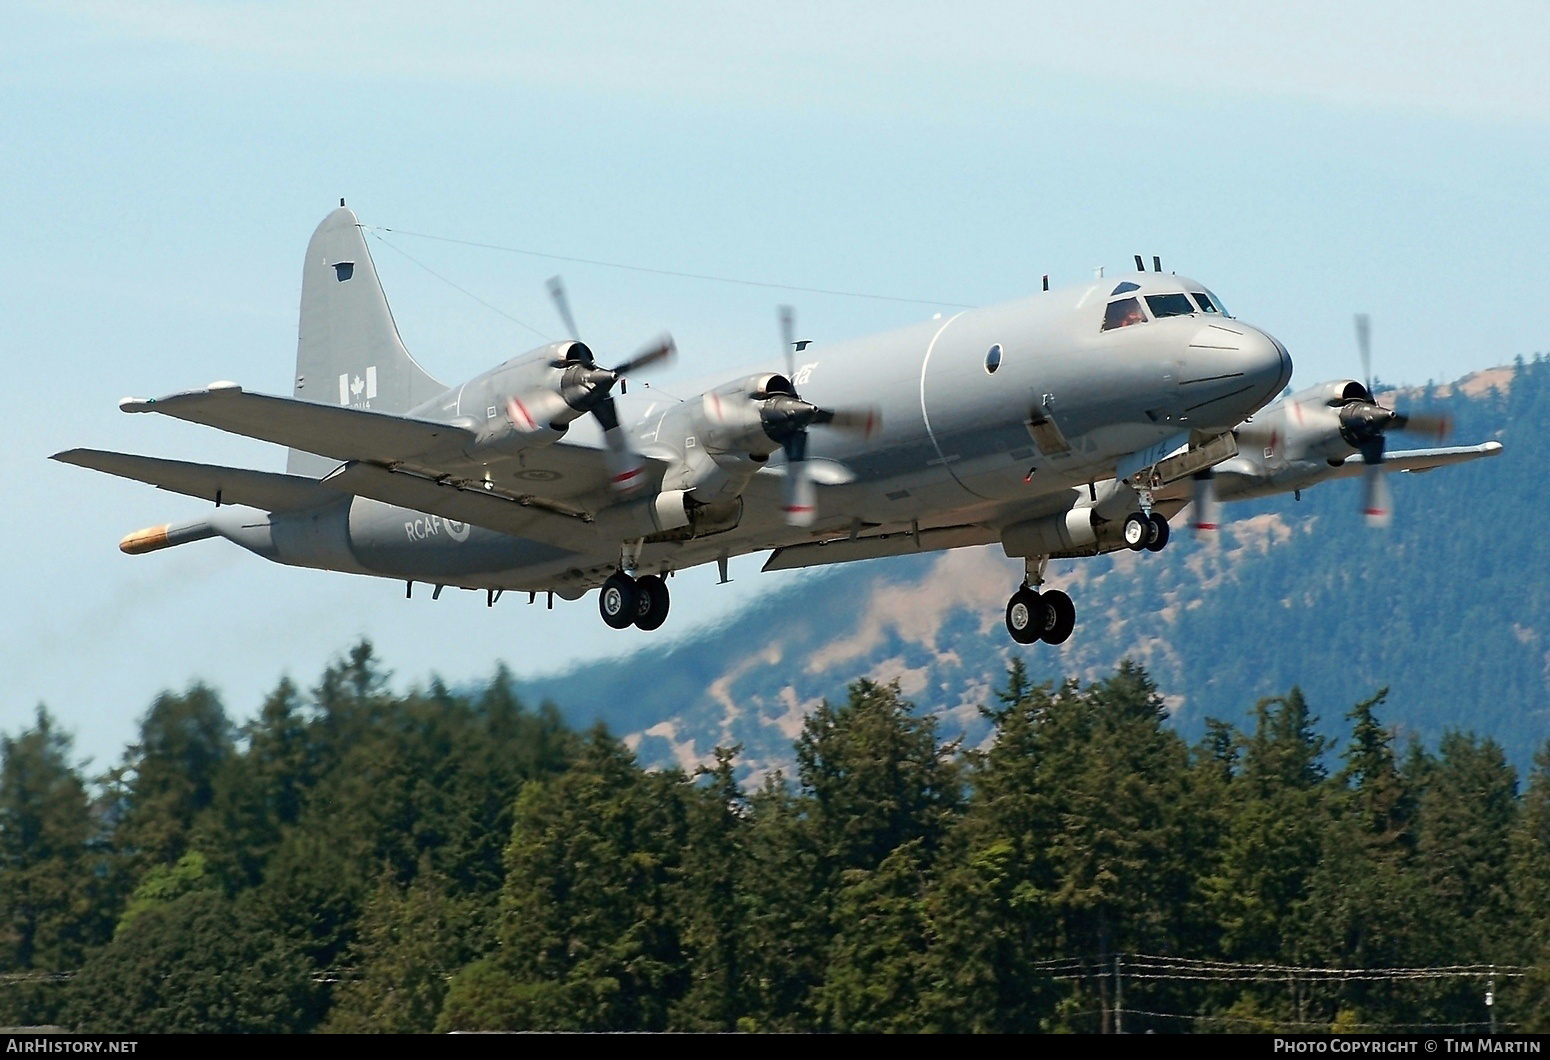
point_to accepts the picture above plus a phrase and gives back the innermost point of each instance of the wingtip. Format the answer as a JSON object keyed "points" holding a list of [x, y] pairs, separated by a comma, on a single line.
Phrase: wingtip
{"points": [[134, 404]]}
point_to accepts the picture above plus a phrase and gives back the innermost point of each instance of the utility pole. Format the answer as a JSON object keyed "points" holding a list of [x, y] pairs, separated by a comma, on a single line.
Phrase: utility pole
{"points": [[1119, 999], [1490, 998]]}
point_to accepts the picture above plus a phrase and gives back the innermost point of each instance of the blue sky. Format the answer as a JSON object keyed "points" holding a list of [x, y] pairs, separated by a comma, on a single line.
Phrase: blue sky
{"points": [[165, 162]]}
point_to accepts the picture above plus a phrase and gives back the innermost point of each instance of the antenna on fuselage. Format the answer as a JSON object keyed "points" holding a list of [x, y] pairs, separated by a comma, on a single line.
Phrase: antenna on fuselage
{"points": [[1156, 263], [1046, 281], [1140, 267]]}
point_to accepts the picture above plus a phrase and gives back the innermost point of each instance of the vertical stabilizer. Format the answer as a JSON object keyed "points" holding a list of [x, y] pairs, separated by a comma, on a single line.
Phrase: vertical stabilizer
{"points": [[349, 352]]}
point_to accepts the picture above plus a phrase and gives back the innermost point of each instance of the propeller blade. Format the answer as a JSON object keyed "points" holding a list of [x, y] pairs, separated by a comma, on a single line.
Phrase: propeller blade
{"points": [[865, 421], [1364, 347], [1203, 497], [562, 303], [799, 494], [788, 335], [1438, 425], [1377, 502], [660, 349], [626, 468]]}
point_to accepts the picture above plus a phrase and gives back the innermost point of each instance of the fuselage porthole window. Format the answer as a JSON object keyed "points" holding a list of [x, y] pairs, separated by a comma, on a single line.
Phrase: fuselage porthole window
{"points": [[993, 359], [1123, 313]]}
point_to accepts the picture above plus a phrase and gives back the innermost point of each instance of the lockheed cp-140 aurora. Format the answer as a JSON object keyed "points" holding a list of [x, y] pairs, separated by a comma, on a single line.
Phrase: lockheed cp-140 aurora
{"points": [[1071, 423]]}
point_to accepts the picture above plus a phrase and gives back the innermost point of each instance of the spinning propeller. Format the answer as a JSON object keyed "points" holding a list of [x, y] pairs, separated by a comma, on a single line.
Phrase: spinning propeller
{"points": [[1364, 425], [588, 387], [748, 417], [786, 418]]}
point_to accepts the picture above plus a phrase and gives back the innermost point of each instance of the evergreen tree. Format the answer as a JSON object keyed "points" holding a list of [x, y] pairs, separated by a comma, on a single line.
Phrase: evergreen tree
{"points": [[716, 832], [203, 964], [782, 913], [588, 935], [52, 901], [185, 741], [410, 943]]}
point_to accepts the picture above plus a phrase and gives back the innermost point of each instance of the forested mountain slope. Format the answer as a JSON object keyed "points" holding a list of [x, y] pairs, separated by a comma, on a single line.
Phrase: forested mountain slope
{"points": [[1449, 608]]}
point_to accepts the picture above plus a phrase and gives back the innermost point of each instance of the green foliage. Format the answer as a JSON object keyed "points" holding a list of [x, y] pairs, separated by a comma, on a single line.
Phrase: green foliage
{"points": [[165, 884], [203, 964], [52, 894], [358, 859]]}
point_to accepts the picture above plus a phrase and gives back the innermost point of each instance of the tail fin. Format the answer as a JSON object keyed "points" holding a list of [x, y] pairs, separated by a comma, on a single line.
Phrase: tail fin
{"points": [[349, 352]]}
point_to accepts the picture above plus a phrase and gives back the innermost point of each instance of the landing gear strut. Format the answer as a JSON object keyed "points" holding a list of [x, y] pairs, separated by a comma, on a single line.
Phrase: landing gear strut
{"points": [[1032, 615], [624, 601]]}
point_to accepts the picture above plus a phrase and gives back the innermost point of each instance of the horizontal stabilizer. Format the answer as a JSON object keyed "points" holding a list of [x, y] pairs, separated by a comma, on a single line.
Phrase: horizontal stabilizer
{"points": [[334, 431], [223, 485]]}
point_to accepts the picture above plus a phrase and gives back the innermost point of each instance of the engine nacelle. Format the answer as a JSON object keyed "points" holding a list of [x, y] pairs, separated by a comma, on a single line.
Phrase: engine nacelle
{"points": [[537, 395], [668, 510], [732, 418], [1068, 531]]}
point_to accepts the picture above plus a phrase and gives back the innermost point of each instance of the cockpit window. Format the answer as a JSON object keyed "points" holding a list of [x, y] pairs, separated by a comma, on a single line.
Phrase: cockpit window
{"points": [[1205, 301], [1125, 286], [1122, 314], [1169, 305]]}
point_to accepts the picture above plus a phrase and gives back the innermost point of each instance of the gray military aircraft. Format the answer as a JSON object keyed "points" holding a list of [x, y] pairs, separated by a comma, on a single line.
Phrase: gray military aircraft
{"points": [[1056, 425]]}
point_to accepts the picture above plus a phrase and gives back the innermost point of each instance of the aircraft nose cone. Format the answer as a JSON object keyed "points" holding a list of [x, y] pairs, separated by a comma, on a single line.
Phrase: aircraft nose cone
{"points": [[1231, 370]]}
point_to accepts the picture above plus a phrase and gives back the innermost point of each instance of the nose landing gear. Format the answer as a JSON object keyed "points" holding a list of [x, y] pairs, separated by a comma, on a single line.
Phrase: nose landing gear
{"points": [[624, 601], [1033, 616]]}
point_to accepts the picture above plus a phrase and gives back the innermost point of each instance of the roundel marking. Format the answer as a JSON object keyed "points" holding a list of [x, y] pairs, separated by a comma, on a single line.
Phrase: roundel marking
{"points": [[457, 531], [538, 474]]}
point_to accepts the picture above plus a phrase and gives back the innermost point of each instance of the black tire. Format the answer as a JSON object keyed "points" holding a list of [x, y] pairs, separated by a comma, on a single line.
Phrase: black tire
{"points": [[1136, 532], [1063, 619], [651, 607], [1157, 540], [1026, 616], [618, 600]]}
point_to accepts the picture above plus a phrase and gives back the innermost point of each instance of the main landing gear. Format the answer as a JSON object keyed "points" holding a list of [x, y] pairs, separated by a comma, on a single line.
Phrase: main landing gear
{"points": [[1033, 616], [1145, 532], [624, 601]]}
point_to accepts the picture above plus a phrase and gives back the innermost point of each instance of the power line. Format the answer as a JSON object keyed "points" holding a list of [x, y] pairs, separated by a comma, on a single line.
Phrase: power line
{"points": [[449, 283], [670, 272]]}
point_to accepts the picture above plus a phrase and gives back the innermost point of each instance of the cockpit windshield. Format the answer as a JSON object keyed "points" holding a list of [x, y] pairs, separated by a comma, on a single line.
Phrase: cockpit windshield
{"points": [[1169, 305], [1123, 313], [1208, 302]]}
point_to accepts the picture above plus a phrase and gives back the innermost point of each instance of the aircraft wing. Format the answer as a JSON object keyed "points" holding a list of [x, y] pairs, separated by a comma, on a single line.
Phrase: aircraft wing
{"points": [[334, 431], [1420, 460], [875, 545], [223, 485], [561, 471], [527, 517]]}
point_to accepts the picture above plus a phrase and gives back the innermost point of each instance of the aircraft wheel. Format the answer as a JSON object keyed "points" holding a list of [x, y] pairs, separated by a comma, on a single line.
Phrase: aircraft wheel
{"points": [[1157, 537], [1062, 617], [617, 600], [1026, 616], [651, 606], [1137, 531]]}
